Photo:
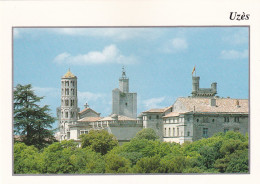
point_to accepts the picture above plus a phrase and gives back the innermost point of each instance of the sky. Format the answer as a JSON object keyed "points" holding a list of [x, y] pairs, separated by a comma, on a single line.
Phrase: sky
{"points": [[158, 62]]}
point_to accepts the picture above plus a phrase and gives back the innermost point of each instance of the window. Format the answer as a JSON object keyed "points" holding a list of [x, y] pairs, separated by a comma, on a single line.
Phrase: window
{"points": [[225, 130], [83, 132], [213, 120], [226, 119], [205, 132], [150, 117], [66, 114], [157, 116], [197, 120], [177, 131], [125, 104], [71, 114], [173, 131], [188, 133], [236, 119], [169, 132], [164, 132], [66, 102]]}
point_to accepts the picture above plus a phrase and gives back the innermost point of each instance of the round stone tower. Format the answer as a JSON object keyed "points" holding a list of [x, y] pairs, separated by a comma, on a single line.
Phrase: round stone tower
{"points": [[69, 104]]}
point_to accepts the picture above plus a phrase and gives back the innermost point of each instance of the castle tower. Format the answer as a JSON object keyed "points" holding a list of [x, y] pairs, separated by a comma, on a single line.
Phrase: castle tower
{"points": [[123, 102], [69, 104], [202, 92], [124, 82], [195, 85]]}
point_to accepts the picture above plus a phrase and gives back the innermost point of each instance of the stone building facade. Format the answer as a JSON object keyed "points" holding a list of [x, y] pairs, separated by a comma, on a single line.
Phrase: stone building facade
{"points": [[124, 102], [189, 118], [122, 122]]}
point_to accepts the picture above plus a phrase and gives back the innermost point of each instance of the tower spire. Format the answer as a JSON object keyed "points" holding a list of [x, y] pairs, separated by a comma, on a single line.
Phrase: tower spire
{"points": [[123, 72]]}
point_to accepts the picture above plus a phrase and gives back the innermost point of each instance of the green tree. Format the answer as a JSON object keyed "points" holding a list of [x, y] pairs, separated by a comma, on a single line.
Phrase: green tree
{"points": [[173, 164], [117, 164], [99, 140], [148, 165], [87, 161], [27, 159], [146, 133], [31, 122], [56, 157]]}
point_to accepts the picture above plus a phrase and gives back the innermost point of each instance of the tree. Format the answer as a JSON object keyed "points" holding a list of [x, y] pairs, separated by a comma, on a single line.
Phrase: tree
{"points": [[146, 133], [148, 165], [27, 160], [117, 164], [31, 122], [99, 141]]}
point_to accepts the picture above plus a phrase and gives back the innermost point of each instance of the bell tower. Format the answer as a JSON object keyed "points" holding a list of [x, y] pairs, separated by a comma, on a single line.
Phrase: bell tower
{"points": [[69, 104]]}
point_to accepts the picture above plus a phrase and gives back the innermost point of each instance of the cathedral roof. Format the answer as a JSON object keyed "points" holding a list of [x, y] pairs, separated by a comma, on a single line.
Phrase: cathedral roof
{"points": [[89, 119], [69, 75], [203, 105], [88, 109], [172, 114]]}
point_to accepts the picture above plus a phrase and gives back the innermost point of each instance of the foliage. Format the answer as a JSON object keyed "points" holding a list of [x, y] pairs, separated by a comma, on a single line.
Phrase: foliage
{"points": [[31, 122], [117, 164], [148, 165], [27, 160], [222, 153], [99, 141], [146, 133]]}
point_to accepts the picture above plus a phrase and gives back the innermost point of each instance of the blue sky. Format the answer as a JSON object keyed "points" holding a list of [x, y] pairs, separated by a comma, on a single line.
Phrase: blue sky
{"points": [[158, 62]]}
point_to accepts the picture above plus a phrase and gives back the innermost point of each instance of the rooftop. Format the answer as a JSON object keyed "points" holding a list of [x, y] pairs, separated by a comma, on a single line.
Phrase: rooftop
{"points": [[89, 119], [223, 105], [69, 75]]}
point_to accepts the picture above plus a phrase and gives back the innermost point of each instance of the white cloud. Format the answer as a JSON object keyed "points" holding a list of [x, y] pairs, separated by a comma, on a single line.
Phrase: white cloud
{"points": [[88, 96], [233, 54], [153, 103], [46, 91], [237, 38], [179, 44], [16, 33], [119, 34], [176, 45], [110, 54]]}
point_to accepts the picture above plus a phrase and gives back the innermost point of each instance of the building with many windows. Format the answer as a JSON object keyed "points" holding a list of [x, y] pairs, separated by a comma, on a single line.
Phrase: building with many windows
{"points": [[188, 119]]}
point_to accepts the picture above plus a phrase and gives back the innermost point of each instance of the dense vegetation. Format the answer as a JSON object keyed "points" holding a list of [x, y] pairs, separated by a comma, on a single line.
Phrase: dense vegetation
{"points": [[32, 123], [100, 153]]}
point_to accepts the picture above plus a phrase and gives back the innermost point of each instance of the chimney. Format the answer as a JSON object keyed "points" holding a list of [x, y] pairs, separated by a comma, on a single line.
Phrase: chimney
{"points": [[237, 103], [213, 102]]}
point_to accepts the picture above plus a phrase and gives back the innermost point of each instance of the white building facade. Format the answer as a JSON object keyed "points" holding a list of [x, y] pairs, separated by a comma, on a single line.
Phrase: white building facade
{"points": [[188, 119]]}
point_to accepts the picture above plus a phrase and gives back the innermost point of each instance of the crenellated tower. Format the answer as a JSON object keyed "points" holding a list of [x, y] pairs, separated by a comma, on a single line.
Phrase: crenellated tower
{"points": [[124, 102]]}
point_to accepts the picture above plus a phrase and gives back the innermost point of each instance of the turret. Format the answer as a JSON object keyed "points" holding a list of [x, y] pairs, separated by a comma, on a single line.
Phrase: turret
{"points": [[124, 82], [214, 87], [195, 84]]}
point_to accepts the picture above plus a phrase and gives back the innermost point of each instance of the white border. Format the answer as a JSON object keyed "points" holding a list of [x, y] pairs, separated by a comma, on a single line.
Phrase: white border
{"points": [[125, 13]]}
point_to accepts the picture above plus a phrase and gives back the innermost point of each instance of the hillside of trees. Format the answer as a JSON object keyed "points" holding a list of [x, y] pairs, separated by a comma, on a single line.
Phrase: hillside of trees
{"points": [[101, 153]]}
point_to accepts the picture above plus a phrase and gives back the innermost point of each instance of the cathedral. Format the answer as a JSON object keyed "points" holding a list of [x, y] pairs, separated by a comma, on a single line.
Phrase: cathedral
{"points": [[188, 119]]}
